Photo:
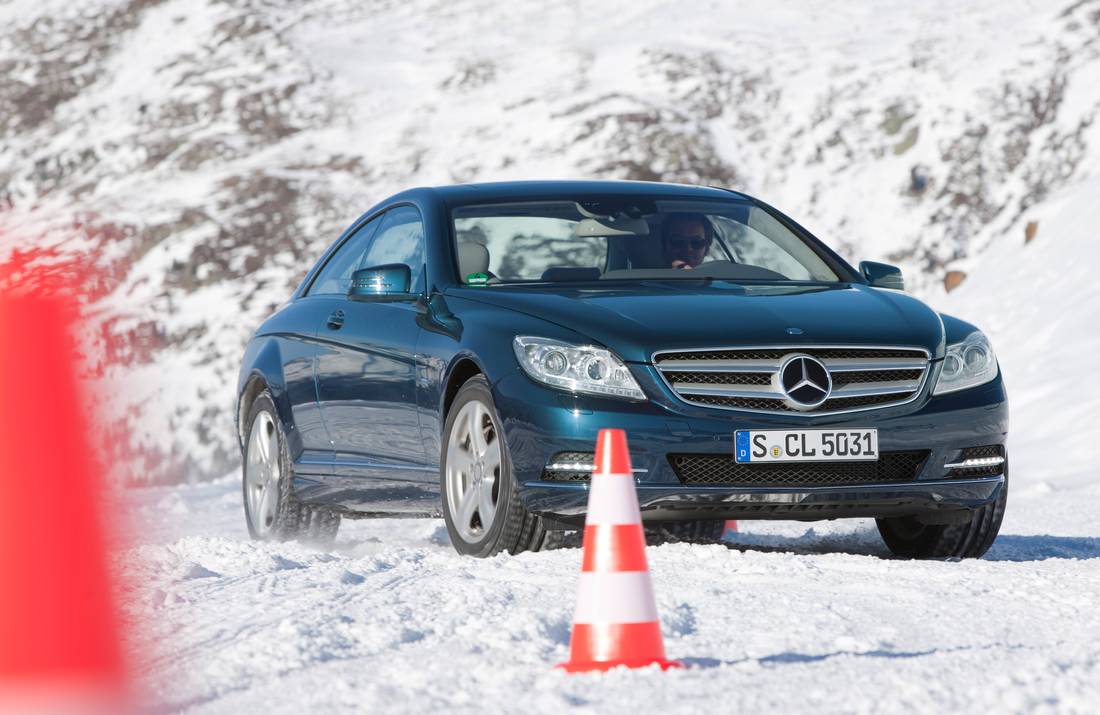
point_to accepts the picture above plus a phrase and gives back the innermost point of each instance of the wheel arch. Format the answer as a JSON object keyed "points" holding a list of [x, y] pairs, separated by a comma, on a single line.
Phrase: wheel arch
{"points": [[263, 372], [462, 368]]}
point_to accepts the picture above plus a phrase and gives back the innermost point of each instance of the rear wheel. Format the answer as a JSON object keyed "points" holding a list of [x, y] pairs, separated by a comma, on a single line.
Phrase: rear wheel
{"points": [[272, 511], [481, 505], [912, 538]]}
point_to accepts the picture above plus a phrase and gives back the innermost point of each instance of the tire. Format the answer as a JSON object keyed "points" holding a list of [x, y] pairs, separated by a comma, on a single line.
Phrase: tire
{"points": [[703, 531], [475, 473], [272, 512], [910, 538]]}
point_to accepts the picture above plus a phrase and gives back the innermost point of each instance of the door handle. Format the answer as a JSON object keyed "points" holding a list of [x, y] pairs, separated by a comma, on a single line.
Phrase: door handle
{"points": [[336, 320]]}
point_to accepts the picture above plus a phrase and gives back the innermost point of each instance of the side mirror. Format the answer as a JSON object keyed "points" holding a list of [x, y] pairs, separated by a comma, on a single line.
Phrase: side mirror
{"points": [[882, 275], [380, 283]]}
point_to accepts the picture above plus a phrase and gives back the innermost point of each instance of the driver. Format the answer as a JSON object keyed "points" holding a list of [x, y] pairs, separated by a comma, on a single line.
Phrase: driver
{"points": [[686, 239]]}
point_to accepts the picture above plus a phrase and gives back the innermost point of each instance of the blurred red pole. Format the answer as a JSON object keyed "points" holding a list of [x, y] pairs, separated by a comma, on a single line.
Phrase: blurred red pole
{"points": [[59, 633]]}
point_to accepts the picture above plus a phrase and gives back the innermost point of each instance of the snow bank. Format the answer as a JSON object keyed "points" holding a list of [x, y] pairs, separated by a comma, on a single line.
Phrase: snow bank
{"points": [[1040, 305]]}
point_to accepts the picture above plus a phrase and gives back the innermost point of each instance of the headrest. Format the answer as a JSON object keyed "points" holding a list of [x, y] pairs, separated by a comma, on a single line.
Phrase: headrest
{"points": [[645, 252], [472, 258]]}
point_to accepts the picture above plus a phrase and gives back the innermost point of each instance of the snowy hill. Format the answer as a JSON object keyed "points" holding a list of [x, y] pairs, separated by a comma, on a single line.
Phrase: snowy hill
{"points": [[203, 152], [1040, 305]]}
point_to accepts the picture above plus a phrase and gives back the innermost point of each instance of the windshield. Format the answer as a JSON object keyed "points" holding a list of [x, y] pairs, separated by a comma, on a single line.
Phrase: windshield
{"points": [[630, 238]]}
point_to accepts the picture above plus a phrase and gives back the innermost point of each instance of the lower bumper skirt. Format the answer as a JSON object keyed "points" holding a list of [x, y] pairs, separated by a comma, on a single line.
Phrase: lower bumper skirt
{"points": [[567, 502]]}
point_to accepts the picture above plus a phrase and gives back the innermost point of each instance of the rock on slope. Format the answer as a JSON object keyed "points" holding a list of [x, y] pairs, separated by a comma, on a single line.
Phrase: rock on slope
{"points": [[201, 154]]}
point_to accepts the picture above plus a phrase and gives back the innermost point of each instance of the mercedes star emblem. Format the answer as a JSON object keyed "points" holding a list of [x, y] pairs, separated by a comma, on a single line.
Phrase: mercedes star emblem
{"points": [[805, 381]]}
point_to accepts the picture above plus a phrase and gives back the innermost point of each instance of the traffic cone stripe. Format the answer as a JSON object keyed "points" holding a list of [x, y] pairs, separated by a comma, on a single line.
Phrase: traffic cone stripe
{"points": [[614, 548], [612, 456], [612, 500], [613, 644], [625, 597]]}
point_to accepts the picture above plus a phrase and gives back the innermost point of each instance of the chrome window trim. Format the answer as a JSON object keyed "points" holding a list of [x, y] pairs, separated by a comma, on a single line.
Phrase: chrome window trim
{"points": [[917, 393]]}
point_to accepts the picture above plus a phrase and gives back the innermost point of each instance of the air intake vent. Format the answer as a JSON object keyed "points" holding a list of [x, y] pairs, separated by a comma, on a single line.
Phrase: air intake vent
{"points": [[721, 469], [987, 461], [569, 467]]}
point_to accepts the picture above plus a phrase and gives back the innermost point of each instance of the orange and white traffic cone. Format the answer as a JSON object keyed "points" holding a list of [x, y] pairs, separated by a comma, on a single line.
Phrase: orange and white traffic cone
{"points": [[616, 618], [60, 647]]}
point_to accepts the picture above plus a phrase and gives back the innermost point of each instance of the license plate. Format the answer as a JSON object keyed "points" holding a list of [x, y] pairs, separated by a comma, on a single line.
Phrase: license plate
{"points": [[808, 445]]}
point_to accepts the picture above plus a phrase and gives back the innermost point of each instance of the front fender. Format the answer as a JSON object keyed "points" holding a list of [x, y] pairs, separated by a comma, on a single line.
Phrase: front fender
{"points": [[488, 332], [262, 366], [485, 341]]}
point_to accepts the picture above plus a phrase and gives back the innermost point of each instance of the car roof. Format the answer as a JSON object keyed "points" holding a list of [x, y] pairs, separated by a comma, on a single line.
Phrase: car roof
{"points": [[510, 190]]}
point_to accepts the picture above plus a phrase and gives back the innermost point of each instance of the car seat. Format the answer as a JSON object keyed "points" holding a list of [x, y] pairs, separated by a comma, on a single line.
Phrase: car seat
{"points": [[473, 257]]}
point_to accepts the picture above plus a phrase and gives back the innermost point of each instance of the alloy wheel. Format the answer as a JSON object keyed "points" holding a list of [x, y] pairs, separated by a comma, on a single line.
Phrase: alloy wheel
{"points": [[473, 471], [262, 474]]}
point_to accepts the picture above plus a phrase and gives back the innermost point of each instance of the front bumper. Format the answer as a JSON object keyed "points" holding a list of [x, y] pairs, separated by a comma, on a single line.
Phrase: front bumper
{"points": [[567, 501], [540, 422]]}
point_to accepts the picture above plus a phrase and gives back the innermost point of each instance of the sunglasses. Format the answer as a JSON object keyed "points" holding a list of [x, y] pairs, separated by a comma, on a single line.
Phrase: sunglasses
{"points": [[679, 244]]}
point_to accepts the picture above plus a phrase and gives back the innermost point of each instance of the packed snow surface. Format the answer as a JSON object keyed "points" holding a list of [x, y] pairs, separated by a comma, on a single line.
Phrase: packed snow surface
{"points": [[789, 618], [785, 617]]}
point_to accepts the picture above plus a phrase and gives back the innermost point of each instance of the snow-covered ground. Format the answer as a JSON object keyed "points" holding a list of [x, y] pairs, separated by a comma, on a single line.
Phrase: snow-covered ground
{"points": [[785, 618], [795, 618]]}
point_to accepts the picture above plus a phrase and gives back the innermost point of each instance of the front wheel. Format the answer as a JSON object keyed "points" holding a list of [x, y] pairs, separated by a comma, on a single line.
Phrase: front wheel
{"points": [[910, 538], [480, 505]]}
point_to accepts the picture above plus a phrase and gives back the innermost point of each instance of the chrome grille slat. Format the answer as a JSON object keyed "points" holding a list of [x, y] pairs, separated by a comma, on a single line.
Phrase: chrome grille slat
{"points": [[740, 378], [863, 389], [721, 365], [874, 364], [765, 391]]}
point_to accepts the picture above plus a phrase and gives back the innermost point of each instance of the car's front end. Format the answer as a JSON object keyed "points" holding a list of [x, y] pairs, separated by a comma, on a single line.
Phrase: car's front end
{"points": [[937, 454], [756, 374]]}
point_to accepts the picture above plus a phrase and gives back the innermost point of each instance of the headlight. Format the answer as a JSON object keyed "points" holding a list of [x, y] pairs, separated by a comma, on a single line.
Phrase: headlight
{"points": [[577, 368], [967, 364]]}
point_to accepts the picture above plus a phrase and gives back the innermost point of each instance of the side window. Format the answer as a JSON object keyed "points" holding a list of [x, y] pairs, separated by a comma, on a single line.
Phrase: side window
{"points": [[400, 239], [335, 277]]}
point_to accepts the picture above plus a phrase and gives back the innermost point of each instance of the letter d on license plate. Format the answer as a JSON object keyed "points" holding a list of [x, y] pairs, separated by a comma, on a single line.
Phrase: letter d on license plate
{"points": [[808, 445]]}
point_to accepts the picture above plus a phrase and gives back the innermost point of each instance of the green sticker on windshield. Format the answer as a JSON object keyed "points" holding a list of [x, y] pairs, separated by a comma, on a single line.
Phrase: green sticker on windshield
{"points": [[477, 279]]}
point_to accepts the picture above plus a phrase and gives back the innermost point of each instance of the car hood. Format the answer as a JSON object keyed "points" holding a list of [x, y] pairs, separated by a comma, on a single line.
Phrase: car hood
{"points": [[639, 319]]}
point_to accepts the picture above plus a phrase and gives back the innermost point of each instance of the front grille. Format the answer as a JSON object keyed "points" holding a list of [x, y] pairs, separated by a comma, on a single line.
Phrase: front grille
{"points": [[710, 378], [992, 450], [864, 376], [772, 405], [748, 379], [776, 353], [720, 469]]}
